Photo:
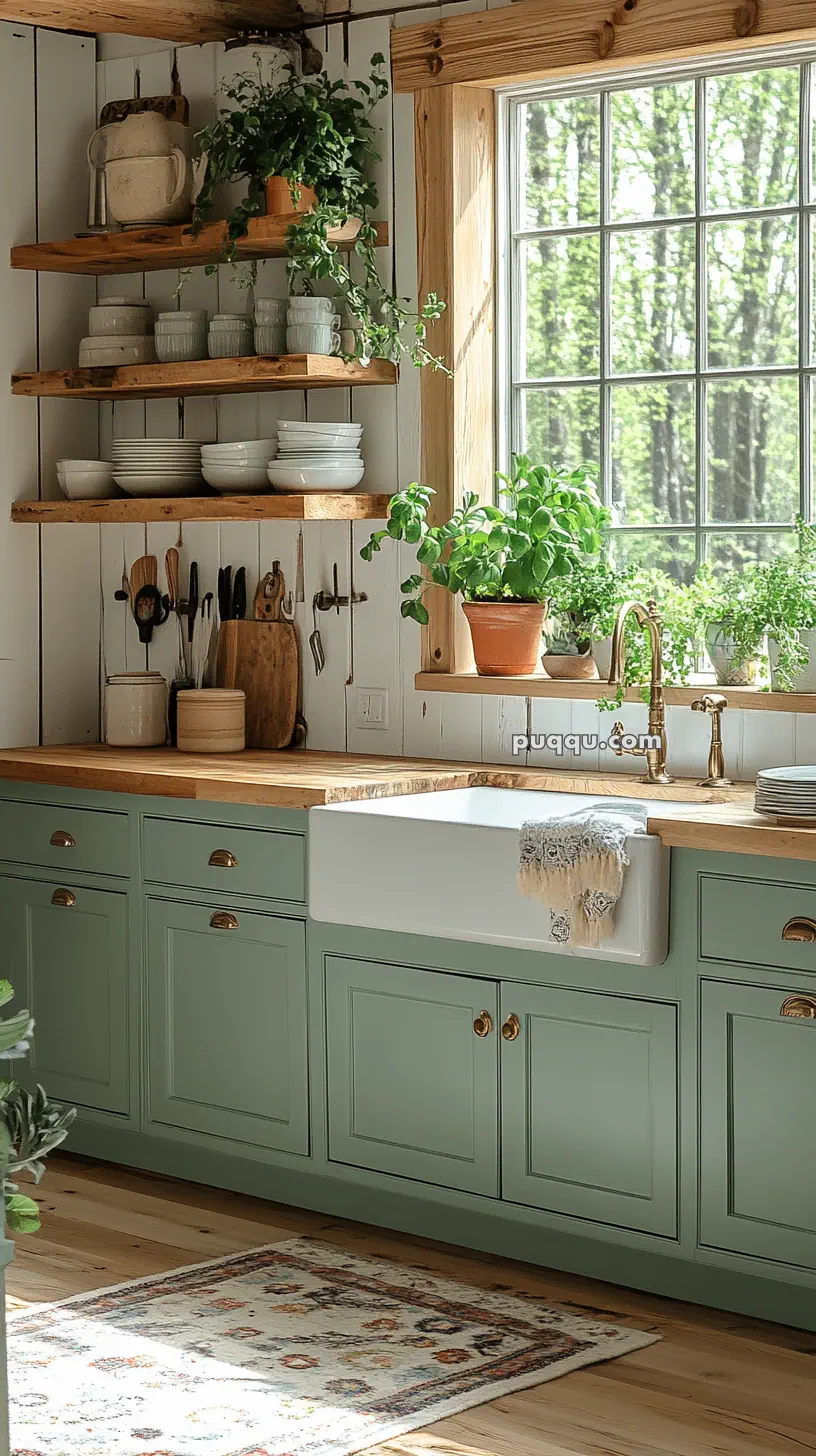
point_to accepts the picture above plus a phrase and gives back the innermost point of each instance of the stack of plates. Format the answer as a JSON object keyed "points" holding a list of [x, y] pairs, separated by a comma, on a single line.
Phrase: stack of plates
{"points": [[157, 467], [787, 793], [317, 456]]}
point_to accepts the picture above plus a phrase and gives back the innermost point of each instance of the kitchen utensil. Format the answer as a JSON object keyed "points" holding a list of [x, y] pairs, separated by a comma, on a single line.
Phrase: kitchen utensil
{"points": [[135, 710], [202, 633], [143, 572], [211, 720], [299, 572], [316, 641], [150, 610], [192, 600], [224, 593], [239, 595], [262, 657], [171, 571]]}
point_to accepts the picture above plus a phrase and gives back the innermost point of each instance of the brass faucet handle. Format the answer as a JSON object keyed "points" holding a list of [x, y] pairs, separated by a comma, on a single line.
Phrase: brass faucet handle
{"points": [[710, 703], [714, 703], [617, 733]]}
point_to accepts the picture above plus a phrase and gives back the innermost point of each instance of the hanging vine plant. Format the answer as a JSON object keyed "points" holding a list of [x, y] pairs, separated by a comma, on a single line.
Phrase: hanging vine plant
{"points": [[316, 134]]}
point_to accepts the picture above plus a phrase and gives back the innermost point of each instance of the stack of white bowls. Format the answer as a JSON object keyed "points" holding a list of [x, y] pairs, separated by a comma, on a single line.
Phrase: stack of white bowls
{"points": [[239, 467], [86, 479], [312, 327], [119, 332], [231, 336], [181, 335], [270, 325], [157, 467], [317, 456]]}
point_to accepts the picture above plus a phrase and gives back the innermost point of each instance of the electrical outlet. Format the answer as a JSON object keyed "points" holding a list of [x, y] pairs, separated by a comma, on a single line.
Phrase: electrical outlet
{"points": [[372, 708]]}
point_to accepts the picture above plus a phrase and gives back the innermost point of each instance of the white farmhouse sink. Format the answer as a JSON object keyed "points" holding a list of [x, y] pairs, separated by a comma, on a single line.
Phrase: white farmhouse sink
{"points": [[444, 864]]}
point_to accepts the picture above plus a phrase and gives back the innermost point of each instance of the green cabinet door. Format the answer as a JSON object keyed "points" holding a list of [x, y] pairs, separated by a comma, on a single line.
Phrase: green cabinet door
{"points": [[65, 953], [757, 1125], [227, 1024], [411, 1088], [589, 1106]]}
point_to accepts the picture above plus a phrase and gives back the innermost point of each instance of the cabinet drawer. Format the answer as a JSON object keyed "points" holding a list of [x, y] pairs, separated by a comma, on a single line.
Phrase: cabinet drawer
{"points": [[92, 841], [744, 920], [269, 863]]}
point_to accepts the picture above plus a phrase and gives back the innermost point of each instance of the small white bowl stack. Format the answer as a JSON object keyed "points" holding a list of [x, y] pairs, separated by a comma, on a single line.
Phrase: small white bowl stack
{"points": [[157, 467], [238, 468], [120, 331], [787, 793], [317, 456], [86, 479]]}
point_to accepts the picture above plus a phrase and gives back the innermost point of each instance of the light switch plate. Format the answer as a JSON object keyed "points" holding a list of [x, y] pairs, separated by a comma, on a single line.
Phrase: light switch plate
{"points": [[372, 708]]}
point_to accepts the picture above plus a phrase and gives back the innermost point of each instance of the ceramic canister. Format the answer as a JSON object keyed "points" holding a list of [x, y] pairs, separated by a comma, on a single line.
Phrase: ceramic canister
{"points": [[135, 710], [211, 720]]}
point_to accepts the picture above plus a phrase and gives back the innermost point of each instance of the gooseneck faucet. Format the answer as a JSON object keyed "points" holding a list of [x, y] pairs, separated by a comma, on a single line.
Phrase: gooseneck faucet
{"points": [[648, 618]]}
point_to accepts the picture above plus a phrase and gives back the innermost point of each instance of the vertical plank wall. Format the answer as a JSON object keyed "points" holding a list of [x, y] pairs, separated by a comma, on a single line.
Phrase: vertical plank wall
{"points": [[62, 628]]}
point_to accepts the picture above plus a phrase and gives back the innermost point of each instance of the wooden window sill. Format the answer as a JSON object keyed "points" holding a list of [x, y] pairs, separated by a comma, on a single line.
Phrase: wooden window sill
{"points": [[538, 686]]}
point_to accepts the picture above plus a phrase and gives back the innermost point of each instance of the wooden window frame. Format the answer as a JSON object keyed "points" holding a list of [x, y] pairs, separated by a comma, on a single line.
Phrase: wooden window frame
{"points": [[454, 68]]}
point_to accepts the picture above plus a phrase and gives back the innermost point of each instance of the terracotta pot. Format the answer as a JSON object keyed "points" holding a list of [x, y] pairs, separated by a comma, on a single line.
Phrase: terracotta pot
{"points": [[506, 636], [579, 667], [279, 199]]}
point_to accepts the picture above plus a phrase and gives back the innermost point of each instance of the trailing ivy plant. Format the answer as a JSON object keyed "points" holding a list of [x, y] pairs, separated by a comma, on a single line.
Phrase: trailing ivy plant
{"points": [[316, 133], [31, 1126], [551, 521]]}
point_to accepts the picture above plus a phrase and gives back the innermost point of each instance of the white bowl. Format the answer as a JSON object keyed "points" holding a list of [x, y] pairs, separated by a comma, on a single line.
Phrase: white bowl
{"points": [[303, 480], [159, 484], [232, 452], [80, 484], [318, 427], [319, 442], [119, 317], [88, 467], [227, 345], [95, 353], [236, 477], [180, 348], [186, 318]]}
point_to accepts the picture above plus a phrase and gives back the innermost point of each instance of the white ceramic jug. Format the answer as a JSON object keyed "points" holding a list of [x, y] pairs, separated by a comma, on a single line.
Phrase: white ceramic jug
{"points": [[149, 189]]}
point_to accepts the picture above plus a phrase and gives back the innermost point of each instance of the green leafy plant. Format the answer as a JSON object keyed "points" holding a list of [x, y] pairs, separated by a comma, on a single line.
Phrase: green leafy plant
{"points": [[777, 597], [551, 521], [31, 1126], [316, 133]]}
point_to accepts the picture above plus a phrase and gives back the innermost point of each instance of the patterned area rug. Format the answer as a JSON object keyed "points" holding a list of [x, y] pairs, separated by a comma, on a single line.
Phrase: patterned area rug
{"points": [[299, 1349]]}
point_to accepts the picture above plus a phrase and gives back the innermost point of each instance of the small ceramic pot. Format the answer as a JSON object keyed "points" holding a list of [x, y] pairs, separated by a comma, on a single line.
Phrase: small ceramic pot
{"points": [[270, 339], [312, 339], [116, 349], [181, 348], [230, 345], [136, 710], [211, 720], [506, 636], [720, 648], [806, 680], [280, 200], [315, 310], [189, 320], [271, 310], [602, 652], [578, 667], [119, 316]]}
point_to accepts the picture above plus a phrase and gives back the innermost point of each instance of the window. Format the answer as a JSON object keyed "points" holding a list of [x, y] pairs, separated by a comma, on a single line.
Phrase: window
{"points": [[657, 238]]}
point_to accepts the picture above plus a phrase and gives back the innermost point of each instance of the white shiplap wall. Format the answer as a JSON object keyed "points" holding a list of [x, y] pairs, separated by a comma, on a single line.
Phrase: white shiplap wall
{"points": [[62, 627]]}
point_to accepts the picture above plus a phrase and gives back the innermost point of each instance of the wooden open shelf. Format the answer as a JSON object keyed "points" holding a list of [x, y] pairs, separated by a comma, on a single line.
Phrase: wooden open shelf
{"points": [[538, 686], [340, 506], [145, 250], [204, 376]]}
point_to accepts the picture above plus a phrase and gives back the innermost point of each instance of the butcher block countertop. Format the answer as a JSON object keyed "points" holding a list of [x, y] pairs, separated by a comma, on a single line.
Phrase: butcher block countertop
{"points": [[711, 819]]}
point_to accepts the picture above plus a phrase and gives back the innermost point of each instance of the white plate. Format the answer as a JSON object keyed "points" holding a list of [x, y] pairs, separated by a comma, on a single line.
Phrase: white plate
{"points": [[796, 774], [290, 477], [173, 441]]}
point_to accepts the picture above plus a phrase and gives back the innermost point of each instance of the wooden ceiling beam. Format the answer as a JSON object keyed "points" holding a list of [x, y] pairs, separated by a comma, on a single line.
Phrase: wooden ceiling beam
{"points": [[191, 21], [537, 38]]}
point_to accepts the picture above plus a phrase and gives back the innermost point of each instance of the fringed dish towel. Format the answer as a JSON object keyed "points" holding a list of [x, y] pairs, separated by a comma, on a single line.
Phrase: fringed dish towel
{"points": [[575, 866]]}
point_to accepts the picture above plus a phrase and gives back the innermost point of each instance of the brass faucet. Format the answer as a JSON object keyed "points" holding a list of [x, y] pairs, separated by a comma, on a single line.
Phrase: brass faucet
{"points": [[646, 617], [714, 703]]}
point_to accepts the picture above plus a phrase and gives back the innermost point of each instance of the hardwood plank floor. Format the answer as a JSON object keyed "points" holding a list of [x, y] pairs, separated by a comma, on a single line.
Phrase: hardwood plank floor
{"points": [[717, 1384]]}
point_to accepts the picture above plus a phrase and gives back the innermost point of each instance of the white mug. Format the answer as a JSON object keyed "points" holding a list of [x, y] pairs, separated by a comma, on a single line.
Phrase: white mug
{"points": [[296, 319], [316, 307], [312, 339], [268, 310]]}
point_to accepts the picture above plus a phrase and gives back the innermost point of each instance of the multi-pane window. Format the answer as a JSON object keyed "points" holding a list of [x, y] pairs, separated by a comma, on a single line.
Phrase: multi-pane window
{"points": [[658, 302]]}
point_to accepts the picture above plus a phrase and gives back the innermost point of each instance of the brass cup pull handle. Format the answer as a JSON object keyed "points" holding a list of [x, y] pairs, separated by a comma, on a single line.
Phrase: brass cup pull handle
{"points": [[800, 928], [222, 920], [802, 1007], [63, 897], [61, 839], [222, 859], [483, 1025], [511, 1027]]}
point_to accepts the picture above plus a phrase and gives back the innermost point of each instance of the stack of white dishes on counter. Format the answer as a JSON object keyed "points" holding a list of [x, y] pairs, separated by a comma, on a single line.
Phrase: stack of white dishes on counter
{"points": [[787, 793], [317, 456], [86, 479], [157, 467], [239, 467], [120, 331]]}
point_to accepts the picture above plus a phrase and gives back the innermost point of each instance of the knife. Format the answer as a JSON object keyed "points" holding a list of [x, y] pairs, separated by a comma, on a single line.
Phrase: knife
{"points": [[192, 600], [239, 594], [225, 593]]}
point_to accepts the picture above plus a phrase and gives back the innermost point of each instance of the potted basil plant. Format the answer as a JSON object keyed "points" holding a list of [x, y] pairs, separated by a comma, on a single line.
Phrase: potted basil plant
{"points": [[503, 560], [304, 148]]}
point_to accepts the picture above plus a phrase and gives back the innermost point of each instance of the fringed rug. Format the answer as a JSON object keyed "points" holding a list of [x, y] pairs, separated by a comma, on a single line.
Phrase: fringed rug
{"points": [[299, 1349]]}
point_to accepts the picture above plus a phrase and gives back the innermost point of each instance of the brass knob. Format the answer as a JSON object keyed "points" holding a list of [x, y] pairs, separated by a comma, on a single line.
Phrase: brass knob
{"points": [[803, 1007], [222, 859], [800, 928], [63, 897], [61, 839], [483, 1025], [511, 1027], [222, 920]]}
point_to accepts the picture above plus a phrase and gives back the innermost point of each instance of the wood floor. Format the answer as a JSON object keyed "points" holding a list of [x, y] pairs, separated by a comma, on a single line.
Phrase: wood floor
{"points": [[716, 1385]]}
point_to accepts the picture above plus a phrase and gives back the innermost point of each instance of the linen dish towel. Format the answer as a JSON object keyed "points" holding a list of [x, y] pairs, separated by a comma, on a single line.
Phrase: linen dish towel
{"points": [[575, 865]]}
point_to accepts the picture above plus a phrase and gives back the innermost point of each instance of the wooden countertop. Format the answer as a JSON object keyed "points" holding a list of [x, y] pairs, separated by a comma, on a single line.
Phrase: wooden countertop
{"points": [[721, 819]]}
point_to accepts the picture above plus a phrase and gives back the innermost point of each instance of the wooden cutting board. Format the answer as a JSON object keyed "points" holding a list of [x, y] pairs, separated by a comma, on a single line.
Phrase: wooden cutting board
{"points": [[262, 656]]}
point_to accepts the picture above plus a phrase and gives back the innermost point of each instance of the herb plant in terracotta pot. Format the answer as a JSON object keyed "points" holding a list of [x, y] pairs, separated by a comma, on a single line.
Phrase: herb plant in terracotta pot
{"points": [[502, 560]]}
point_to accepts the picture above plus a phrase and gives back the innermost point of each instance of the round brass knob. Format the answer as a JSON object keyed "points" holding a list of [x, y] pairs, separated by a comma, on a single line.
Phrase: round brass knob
{"points": [[800, 928], [483, 1025], [511, 1027], [803, 1007]]}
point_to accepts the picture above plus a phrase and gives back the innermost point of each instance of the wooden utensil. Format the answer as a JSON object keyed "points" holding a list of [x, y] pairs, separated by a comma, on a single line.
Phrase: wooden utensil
{"points": [[263, 658], [171, 571], [143, 572]]}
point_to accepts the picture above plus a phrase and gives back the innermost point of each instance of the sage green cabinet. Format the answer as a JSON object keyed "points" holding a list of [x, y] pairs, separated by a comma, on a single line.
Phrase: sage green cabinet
{"points": [[226, 1020], [412, 1089], [589, 1106], [757, 1125], [66, 956]]}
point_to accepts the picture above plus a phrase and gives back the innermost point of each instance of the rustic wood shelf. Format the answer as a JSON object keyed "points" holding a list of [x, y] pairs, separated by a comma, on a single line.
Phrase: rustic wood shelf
{"points": [[204, 376], [538, 686], [339, 506], [145, 250]]}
